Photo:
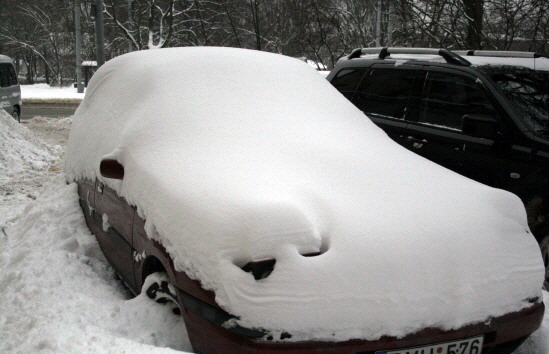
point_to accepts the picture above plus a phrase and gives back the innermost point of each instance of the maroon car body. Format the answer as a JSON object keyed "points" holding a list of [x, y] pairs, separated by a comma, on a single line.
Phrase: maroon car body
{"points": [[135, 256]]}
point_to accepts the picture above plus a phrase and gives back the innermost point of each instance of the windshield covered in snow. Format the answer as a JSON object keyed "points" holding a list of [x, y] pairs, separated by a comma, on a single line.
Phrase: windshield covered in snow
{"points": [[528, 92]]}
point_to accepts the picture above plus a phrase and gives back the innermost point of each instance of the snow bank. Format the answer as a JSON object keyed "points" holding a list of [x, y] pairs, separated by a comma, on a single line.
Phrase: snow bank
{"points": [[58, 294], [45, 92], [24, 158], [235, 155], [20, 149]]}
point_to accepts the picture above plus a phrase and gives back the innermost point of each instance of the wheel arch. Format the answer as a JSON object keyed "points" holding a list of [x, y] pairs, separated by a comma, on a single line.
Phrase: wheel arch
{"points": [[151, 265]]}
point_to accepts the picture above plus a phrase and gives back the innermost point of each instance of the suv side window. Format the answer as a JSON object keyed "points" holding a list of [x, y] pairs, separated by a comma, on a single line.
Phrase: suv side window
{"points": [[446, 98], [385, 92], [347, 80]]}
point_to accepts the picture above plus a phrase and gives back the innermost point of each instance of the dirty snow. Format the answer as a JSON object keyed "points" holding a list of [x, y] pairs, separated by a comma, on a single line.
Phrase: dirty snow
{"points": [[240, 156], [26, 162], [57, 291]]}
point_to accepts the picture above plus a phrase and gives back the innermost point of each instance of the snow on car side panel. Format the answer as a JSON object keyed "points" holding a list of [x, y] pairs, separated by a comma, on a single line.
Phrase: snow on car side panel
{"points": [[234, 156]]}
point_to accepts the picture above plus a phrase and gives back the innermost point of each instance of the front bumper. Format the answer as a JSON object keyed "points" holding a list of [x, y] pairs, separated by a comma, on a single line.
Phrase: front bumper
{"points": [[502, 335]]}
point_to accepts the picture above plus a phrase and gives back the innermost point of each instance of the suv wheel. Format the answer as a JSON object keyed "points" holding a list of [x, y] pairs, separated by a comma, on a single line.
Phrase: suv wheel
{"points": [[16, 114], [157, 286]]}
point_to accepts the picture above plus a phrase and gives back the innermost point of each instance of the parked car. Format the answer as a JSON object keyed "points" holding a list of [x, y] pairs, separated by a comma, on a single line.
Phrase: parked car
{"points": [[242, 187], [483, 114], [10, 91]]}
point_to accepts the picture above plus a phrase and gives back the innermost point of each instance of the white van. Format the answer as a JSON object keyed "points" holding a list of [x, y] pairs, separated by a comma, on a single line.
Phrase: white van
{"points": [[10, 91]]}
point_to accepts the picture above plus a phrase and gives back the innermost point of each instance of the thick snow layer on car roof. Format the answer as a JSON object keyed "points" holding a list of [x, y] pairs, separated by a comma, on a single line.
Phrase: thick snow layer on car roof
{"points": [[235, 155]]}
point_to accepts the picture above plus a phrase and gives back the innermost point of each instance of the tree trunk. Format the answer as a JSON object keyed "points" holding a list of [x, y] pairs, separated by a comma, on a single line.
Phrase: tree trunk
{"points": [[47, 72], [17, 65], [378, 24], [390, 25], [30, 76], [34, 67], [254, 5], [474, 9]]}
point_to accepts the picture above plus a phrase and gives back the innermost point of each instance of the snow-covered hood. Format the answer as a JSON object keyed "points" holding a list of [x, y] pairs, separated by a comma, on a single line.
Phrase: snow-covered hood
{"points": [[235, 155]]}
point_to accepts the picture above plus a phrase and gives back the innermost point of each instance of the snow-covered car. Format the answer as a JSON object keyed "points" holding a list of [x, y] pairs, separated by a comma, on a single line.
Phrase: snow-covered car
{"points": [[243, 187]]}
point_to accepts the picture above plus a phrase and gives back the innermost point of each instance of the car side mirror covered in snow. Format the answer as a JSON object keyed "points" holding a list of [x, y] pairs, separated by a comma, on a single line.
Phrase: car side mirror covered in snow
{"points": [[111, 169]]}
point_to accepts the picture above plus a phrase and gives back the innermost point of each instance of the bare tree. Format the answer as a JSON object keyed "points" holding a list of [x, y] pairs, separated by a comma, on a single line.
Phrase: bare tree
{"points": [[39, 34], [153, 22], [43, 34], [474, 10]]}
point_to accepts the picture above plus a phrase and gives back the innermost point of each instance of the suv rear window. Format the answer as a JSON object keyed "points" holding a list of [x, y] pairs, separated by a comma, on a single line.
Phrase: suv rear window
{"points": [[447, 98], [385, 92]]}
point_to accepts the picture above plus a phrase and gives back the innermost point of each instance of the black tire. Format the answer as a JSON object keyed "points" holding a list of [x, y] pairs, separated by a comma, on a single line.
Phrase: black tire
{"points": [[16, 114], [157, 286]]}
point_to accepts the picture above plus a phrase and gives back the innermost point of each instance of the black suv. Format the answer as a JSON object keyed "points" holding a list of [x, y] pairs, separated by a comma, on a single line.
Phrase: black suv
{"points": [[482, 114]]}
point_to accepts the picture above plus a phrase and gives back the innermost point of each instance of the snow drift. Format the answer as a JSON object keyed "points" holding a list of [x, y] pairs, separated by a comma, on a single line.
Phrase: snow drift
{"points": [[58, 294], [24, 160], [235, 155], [20, 149]]}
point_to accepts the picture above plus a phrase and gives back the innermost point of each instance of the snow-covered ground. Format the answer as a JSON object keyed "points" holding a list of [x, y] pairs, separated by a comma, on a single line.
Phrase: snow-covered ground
{"points": [[45, 93], [57, 292], [26, 162]]}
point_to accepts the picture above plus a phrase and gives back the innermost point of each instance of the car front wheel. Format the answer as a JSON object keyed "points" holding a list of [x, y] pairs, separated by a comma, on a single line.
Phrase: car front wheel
{"points": [[157, 286]]}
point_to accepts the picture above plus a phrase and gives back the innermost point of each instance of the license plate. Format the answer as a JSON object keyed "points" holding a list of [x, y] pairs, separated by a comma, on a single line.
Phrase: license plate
{"points": [[463, 346]]}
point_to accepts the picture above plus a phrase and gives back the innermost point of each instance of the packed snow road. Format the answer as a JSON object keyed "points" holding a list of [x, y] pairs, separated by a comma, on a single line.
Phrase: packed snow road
{"points": [[57, 292], [47, 110]]}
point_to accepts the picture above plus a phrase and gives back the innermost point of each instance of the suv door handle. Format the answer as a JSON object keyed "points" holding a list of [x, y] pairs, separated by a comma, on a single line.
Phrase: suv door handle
{"points": [[416, 143]]}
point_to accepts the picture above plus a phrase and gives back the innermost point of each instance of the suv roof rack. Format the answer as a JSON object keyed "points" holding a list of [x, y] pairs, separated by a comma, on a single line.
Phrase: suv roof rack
{"points": [[498, 53], [450, 57]]}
